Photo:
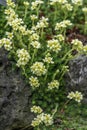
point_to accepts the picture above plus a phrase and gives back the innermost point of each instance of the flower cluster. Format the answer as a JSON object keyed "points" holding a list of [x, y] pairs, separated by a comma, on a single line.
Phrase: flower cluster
{"points": [[10, 3], [33, 17], [41, 118], [54, 45], [68, 7], [84, 9], [60, 37], [36, 109], [85, 49], [38, 68], [35, 44], [34, 82], [77, 96], [26, 4], [7, 43], [34, 5], [53, 2], [62, 25], [78, 45], [48, 59], [23, 56], [13, 19], [77, 2], [43, 23], [34, 37], [9, 35], [53, 84]]}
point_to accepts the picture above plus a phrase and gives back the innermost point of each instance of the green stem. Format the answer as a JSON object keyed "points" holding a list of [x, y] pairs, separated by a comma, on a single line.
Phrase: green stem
{"points": [[55, 13], [66, 61], [21, 42], [29, 47], [74, 12], [33, 23], [65, 34], [24, 73], [38, 128], [63, 72], [33, 56], [26, 10], [46, 74], [64, 105], [85, 25], [42, 33], [19, 37], [65, 13], [69, 52], [38, 11], [57, 71], [55, 110], [48, 3]]}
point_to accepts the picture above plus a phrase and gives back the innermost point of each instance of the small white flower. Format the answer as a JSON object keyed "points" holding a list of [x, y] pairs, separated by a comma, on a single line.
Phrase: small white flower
{"points": [[23, 56], [26, 3], [42, 118], [71, 95], [48, 59], [77, 2], [54, 45], [78, 96], [33, 17], [10, 3], [34, 82], [60, 37], [22, 29], [34, 37], [84, 9], [48, 120], [35, 4], [53, 84], [6, 43], [36, 109], [68, 7], [78, 45], [63, 24], [38, 68], [36, 122], [53, 2], [43, 22], [35, 44], [9, 35], [85, 48]]}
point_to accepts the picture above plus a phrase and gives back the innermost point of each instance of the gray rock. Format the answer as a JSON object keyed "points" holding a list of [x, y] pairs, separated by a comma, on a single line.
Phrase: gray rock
{"points": [[15, 97], [76, 79]]}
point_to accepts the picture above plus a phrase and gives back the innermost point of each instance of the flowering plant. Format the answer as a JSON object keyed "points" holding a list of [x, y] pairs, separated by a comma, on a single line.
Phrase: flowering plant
{"points": [[42, 52]]}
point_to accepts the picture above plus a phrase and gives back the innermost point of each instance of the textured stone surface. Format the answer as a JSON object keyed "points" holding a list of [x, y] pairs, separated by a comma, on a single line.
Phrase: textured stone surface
{"points": [[76, 78], [15, 97]]}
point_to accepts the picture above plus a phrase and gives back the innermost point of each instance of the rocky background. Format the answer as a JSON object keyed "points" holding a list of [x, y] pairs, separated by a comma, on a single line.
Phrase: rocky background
{"points": [[15, 97], [76, 79]]}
